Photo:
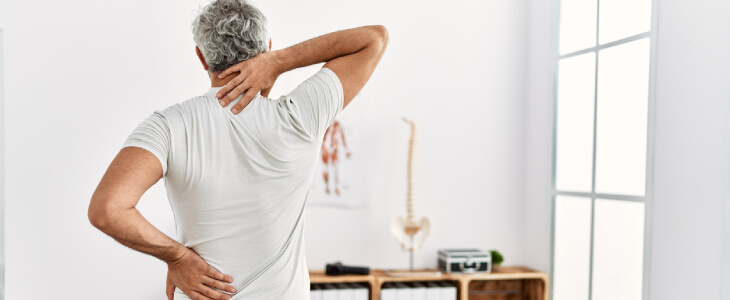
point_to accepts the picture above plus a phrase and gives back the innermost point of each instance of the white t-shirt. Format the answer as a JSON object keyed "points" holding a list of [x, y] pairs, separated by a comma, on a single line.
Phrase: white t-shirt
{"points": [[238, 184]]}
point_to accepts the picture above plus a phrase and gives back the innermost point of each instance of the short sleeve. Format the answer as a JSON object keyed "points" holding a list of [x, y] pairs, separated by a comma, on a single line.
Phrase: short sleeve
{"points": [[153, 135], [319, 100]]}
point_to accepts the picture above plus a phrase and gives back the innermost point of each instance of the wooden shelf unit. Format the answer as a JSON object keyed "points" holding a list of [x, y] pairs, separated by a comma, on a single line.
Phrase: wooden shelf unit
{"points": [[507, 284]]}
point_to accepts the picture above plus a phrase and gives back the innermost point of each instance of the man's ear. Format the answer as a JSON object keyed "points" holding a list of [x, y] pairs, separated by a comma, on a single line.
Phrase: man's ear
{"points": [[202, 59], [269, 44]]}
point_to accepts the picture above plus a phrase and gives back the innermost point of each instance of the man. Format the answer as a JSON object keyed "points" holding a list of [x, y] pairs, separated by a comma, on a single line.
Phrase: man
{"points": [[237, 170]]}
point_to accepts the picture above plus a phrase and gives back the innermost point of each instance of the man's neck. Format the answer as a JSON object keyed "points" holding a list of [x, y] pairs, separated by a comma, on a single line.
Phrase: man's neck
{"points": [[216, 82]]}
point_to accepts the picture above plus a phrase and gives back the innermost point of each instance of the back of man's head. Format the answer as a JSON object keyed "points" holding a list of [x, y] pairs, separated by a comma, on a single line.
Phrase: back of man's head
{"points": [[228, 32]]}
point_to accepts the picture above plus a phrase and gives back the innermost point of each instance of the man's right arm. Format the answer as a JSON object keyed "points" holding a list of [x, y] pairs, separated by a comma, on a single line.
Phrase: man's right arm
{"points": [[352, 54]]}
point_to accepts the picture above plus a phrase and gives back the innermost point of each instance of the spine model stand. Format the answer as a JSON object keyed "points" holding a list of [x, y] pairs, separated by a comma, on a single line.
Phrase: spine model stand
{"points": [[410, 231]]}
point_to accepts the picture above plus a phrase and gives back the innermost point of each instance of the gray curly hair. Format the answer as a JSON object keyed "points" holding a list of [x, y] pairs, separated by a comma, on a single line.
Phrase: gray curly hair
{"points": [[228, 32]]}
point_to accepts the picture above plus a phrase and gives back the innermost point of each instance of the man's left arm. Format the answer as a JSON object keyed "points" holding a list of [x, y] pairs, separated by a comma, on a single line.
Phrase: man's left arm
{"points": [[113, 211]]}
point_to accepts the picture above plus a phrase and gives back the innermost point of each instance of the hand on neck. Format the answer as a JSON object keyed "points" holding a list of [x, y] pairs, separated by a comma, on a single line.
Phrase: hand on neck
{"points": [[216, 82]]}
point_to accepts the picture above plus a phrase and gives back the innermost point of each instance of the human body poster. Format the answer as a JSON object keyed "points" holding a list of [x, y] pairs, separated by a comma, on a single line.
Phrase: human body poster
{"points": [[346, 167]]}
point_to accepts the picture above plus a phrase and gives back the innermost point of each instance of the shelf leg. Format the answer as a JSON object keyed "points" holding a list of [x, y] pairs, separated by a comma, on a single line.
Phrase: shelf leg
{"points": [[464, 288], [375, 289]]}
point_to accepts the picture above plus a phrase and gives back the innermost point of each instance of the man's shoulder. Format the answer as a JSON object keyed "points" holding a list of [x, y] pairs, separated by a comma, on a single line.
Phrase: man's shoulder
{"points": [[186, 107]]}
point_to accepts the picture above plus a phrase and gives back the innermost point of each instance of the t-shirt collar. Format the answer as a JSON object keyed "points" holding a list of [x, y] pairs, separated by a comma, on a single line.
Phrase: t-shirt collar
{"points": [[214, 90]]}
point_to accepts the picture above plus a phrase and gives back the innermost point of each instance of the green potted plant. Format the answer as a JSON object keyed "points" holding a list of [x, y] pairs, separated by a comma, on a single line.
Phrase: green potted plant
{"points": [[497, 260]]}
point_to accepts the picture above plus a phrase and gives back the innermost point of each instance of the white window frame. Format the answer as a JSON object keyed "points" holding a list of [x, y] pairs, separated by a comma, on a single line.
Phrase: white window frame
{"points": [[648, 197]]}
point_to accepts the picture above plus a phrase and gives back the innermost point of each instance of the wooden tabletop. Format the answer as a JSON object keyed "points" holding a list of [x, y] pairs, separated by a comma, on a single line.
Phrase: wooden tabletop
{"points": [[513, 272]]}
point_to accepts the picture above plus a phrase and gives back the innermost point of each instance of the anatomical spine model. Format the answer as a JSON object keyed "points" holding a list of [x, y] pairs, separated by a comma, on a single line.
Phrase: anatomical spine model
{"points": [[410, 231]]}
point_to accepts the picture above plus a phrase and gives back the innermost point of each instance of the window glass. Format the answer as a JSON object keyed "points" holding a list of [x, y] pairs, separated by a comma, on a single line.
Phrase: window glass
{"points": [[577, 25], [618, 250], [623, 18], [574, 142], [571, 268], [623, 93]]}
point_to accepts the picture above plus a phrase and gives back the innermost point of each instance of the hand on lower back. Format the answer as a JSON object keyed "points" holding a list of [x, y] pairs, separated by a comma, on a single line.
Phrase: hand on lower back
{"points": [[194, 277], [256, 74]]}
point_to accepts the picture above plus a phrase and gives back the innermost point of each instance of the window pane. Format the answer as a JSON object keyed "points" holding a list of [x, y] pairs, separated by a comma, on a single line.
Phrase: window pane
{"points": [[574, 142], [577, 25], [572, 247], [623, 18], [623, 92], [618, 250]]}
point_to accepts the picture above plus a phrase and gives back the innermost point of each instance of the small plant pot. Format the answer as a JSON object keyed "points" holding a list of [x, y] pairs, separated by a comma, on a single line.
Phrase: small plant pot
{"points": [[496, 267]]}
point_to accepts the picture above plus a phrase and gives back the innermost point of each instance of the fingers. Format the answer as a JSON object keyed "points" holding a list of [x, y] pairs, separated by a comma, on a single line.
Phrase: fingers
{"points": [[219, 276], [250, 94], [170, 290], [225, 90], [197, 296], [235, 68], [218, 284], [237, 91], [265, 92], [232, 90], [212, 294]]}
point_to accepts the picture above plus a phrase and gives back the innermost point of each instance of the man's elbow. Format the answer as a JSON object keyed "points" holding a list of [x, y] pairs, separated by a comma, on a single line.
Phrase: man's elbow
{"points": [[98, 217], [381, 35]]}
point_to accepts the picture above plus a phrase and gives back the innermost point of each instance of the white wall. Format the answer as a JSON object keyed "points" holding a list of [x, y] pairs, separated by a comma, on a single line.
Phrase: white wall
{"points": [[726, 214], [2, 154], [84, 73], [2, 169], [3, 11], [691, 150], [542, 47]]}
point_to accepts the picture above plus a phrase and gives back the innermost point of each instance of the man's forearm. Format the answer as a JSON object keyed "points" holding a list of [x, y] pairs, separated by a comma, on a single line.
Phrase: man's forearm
{"points": [[328, 47], [131, 229], [352, 54]]}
